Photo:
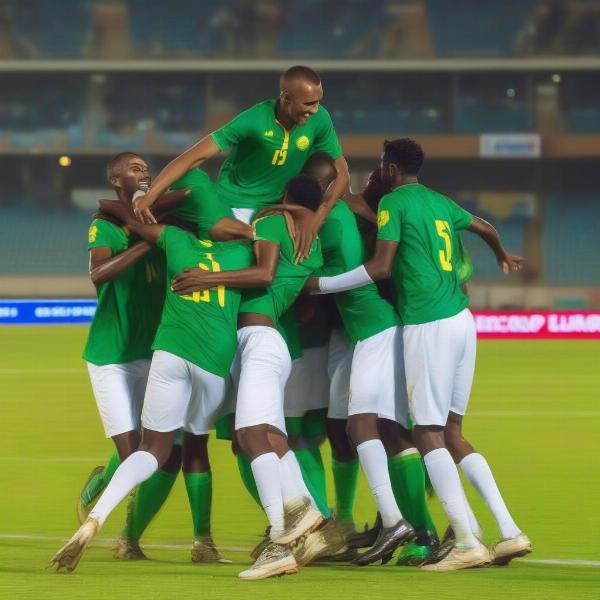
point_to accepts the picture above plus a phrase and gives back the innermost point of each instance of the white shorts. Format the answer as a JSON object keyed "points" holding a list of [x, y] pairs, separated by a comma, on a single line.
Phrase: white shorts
{"points": [[243, 214], [119, 392], [307, 387], [339, 365], [180, 394], [377, 380], [261, 369], [440, 362]]}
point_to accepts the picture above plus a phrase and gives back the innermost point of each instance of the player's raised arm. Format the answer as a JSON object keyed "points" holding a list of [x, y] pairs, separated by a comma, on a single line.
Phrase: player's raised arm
{"points": [[193, 157], [507, 261]]}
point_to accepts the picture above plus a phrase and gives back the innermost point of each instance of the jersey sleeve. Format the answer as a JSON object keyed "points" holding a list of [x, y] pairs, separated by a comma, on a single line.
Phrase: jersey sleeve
{"points": [[239, 128], [327, 139], [270, 229], [330, 235], [389, 220], [461, 218], [102, 233]]}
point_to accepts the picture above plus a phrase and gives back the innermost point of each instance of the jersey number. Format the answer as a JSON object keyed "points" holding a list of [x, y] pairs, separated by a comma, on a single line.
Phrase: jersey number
{"points": [[279, 157], [445, 256], [204, 295]]}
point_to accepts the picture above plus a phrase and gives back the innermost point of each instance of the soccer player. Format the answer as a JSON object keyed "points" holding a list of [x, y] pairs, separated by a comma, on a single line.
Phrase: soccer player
{"points": [[129, 279], [269, 143], [193, 350], [261, 369], [416, 244]]}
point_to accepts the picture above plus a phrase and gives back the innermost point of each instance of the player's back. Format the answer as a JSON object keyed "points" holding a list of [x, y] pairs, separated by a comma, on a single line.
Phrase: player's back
{"points": [[201, 327], [425, 223], [290, 276], [363, 311]]}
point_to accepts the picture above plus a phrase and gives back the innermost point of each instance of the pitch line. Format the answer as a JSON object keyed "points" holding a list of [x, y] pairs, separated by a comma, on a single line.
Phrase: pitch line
{"points": [[108, 542]]}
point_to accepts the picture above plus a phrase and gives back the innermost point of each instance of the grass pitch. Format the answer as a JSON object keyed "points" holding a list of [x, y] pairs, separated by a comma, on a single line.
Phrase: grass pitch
{"points": [[535, 414]]}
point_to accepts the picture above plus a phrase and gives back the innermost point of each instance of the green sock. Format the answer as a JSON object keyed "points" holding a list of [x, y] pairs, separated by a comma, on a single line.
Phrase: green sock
{"points": [[345, 478], [98, 483], [247, 476], [407, 475], [313, 473], [149, 497], [199, 491]]}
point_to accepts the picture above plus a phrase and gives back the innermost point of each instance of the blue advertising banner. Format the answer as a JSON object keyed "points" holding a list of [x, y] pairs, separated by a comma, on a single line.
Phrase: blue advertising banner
{"points": [[35, 312]]}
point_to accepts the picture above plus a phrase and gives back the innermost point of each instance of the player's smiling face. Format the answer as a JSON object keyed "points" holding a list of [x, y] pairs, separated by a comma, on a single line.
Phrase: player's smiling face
{"points": [[134, 175], [302, 101]]}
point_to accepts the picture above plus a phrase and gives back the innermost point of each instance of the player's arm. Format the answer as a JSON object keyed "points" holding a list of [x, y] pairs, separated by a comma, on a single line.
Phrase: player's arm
{"points": [[507, 261], [124, 214], [257, 276], [229, 228], [376, 269], [105, 267], [193, 157]]}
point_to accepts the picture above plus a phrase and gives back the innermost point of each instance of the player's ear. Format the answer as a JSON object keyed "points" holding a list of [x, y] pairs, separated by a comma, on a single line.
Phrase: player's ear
{"points": [[285, 97], [114, 180]]}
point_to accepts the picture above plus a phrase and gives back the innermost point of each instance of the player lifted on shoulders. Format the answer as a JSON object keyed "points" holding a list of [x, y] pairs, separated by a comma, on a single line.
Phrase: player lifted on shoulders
{"points": [[269, 144], [416, 244]]}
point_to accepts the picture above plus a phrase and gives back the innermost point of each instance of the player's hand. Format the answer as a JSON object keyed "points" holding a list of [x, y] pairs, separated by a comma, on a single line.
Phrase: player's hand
{"points": [[141, 207], [191, 280], [510, 263], [307, 225]]}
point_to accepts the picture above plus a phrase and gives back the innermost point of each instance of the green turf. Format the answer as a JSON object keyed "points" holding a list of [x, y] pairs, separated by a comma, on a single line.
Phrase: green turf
{"points": [[545, 460]]}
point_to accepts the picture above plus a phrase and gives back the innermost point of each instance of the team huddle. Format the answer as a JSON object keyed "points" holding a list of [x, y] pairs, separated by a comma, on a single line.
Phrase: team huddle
{"points": [[256, 306]]}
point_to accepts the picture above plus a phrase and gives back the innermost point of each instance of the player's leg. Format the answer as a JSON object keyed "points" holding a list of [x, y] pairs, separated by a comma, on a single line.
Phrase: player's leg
{"points": [[476, 468], [372, 382], [145, 503], [165, 406], [432, 352], [114, 388], [307, 387], [207, 401], [344, 460], [407, 474], [150, 496]]}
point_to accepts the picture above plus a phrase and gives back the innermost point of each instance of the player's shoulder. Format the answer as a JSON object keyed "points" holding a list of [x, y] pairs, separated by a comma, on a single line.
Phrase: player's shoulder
{"points": [[194, 177], [100, 226], [265, 107]]}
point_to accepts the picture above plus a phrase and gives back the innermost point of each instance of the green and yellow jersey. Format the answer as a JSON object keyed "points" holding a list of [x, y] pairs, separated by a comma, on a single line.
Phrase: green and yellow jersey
{"points": [[290, 277], [425, 225], [363, 311], [129, 306], [202, 206], [201, 327], [264, 155]]}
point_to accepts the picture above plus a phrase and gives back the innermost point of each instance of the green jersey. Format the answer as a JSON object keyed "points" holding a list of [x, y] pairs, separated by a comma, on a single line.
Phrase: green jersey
{"points": [[201, 327], [202, 206], [425, 225], [290, 278], [363, 311], [265, 156], [129, 306]]}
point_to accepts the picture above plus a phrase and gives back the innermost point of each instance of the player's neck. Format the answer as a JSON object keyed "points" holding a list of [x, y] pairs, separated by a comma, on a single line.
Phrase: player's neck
{"points": [[405, 180], [123, 196], [282, 118]]}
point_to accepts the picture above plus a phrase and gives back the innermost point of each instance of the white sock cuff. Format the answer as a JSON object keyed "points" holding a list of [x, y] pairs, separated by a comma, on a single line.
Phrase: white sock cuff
{"points": [[266, 457], [470, 459], [437, 455], [368, 444], [148, 458], [408, 452]]}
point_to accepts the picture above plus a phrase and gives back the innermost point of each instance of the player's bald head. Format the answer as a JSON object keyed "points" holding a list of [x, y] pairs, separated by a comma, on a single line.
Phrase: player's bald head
{"points": [[116, 163], [298, 76]]}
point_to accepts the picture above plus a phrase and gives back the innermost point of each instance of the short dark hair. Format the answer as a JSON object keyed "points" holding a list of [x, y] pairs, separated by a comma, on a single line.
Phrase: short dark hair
{"points": [[305, 191], [115, 161], [405, 153], [301, 72], [321, 167]]}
